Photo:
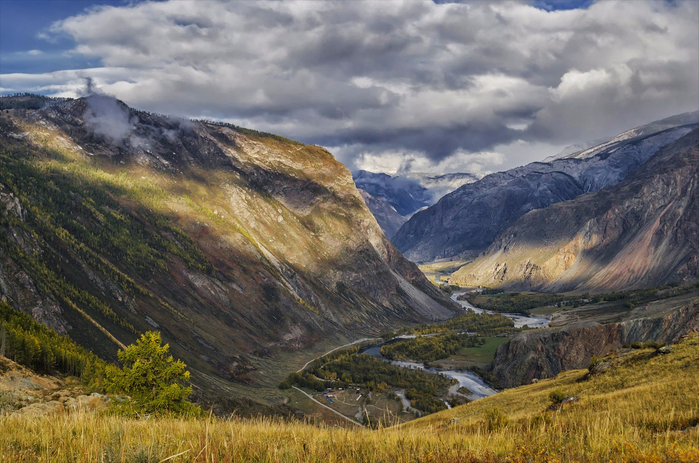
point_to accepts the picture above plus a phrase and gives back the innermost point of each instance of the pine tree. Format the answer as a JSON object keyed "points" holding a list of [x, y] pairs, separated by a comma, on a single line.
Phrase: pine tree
{"points": [[151, 377]]}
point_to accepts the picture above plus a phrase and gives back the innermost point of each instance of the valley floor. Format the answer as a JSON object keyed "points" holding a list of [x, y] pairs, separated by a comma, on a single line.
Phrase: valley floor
{"points": [[636, 406]]}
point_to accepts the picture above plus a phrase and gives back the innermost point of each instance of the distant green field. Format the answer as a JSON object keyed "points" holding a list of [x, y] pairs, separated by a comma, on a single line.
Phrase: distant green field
{"points": [[547, 310], [481, 354], [468, 357]]}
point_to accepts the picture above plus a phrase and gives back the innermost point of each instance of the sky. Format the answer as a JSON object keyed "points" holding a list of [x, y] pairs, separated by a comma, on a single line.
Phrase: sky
{"points": [[386, 86]]}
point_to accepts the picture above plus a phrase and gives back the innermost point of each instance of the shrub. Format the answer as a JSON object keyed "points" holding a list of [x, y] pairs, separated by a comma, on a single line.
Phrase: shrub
{"points": [[285, 384], [557, 397]]}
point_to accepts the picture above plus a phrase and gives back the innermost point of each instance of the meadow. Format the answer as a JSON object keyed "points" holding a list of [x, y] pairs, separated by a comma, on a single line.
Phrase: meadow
{"points": [[637, 406]]}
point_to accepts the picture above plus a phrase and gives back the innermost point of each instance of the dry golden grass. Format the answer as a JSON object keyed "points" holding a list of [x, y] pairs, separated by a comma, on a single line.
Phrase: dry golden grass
{"points": [[644, 409]]}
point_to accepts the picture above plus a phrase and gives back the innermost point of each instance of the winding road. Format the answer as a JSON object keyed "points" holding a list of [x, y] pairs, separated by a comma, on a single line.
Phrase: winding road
{"points": [[358, 341]]}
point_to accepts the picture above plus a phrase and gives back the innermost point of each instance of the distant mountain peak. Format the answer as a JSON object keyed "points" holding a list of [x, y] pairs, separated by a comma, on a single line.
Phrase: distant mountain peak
{"points": [[639, 233], [395, 198]]}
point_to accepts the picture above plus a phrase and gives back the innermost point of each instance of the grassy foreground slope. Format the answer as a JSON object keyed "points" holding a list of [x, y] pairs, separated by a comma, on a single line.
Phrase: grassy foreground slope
{"points": [[639, 406]]}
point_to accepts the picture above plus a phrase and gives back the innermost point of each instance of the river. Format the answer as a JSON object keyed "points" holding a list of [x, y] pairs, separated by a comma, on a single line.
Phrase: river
{"points": [[476, 386], [519, 319], [467, 379]]}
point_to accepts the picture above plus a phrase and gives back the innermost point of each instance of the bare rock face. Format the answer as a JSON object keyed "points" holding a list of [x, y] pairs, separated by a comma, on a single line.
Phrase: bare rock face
{"points": [[642, 232], [11, 204], [467, 221], [545, 353], [240, 247]]}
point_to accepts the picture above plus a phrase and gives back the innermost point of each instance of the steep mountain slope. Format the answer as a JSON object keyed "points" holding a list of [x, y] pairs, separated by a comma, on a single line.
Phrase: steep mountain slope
{"points": [[394, 198], [466, 221], [642, 232], [241, 247], [657, 126]]}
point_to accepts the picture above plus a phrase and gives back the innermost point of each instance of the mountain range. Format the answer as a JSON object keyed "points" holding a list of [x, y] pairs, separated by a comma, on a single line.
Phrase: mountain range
{"points": [[467, 221], [642, 232]]}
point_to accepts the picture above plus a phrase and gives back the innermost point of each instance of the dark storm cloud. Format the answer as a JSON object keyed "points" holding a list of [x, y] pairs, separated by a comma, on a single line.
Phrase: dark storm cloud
{"points": [[420, 83], [435, 142]]}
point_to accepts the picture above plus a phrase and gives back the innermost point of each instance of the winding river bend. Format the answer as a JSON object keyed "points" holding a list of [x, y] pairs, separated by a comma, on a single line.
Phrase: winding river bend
{"points": [[476, 386], [467, 379]]}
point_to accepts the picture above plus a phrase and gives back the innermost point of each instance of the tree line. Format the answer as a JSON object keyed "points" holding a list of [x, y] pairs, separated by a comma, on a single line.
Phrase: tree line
{"points": [[483, 324], [37, 347], [497, 300], [429, 348], [152, 379]]}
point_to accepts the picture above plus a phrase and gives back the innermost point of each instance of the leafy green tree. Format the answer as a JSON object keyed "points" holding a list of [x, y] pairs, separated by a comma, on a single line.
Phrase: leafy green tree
{"points": [[151, 377]]}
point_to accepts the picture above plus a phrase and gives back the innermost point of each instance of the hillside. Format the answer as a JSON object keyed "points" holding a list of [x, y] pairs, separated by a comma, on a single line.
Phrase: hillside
{"points": [[635, 406], [638, 405], [467, 221], [251, 253], [640, 233]]}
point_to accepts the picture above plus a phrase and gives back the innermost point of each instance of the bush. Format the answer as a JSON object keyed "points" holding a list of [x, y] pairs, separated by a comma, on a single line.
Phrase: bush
{"points": [[557, 397], [285, 384], [652, 344]]}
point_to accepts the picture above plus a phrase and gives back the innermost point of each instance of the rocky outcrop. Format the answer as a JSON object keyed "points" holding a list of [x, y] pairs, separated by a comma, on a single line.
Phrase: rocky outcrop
{"points": [[468, 220], [23, 392], [643, 232], [545, 353]]}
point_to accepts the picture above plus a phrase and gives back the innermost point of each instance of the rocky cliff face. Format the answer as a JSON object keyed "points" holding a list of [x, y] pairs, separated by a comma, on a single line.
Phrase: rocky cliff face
{"points": [[468, 220], [240, 247], [642, 232], [545, 353]]}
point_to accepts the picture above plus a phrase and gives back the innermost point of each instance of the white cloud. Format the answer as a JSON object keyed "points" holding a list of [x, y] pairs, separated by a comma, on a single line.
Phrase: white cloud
{"points": [[396, 162], [396, 83]]}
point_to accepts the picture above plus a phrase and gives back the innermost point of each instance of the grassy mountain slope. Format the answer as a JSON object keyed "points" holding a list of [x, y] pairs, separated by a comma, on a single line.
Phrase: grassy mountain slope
{"points": [[642, 232], [248, 251], [638, 406]]}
